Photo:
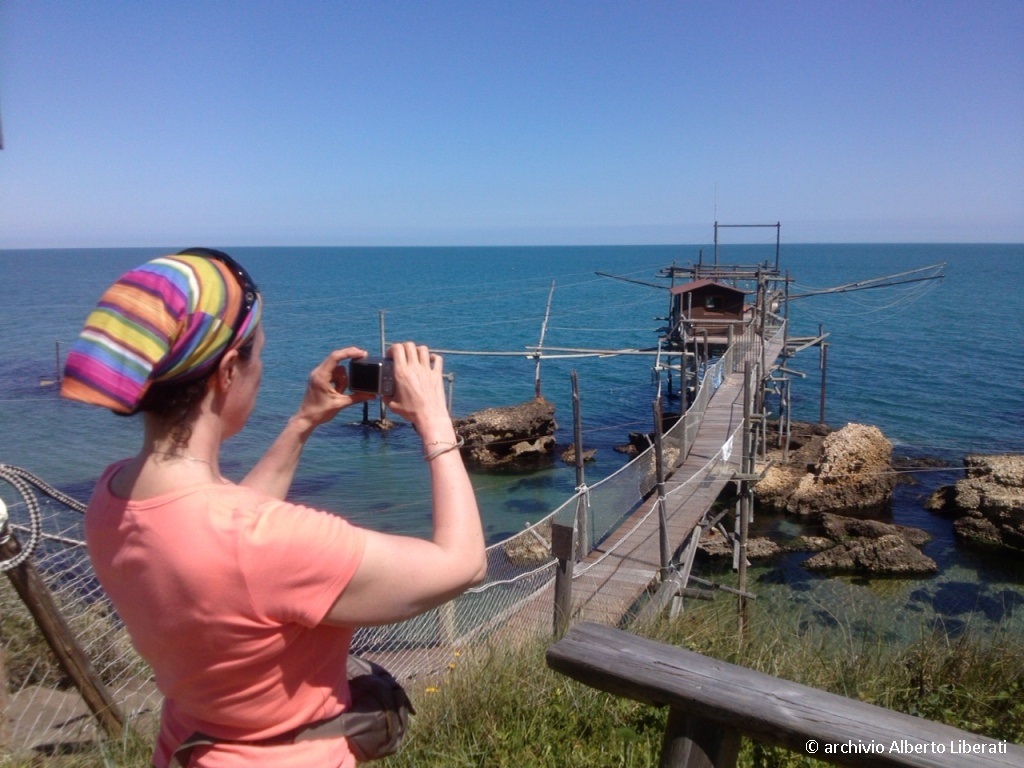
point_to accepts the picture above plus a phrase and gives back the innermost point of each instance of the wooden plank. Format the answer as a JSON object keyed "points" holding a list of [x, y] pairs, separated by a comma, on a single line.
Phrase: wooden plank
{"points": [[766, 708]]}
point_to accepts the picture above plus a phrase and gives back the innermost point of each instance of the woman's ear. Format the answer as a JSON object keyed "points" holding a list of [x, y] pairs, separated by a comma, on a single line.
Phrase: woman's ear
{"points": [[227, 369]]}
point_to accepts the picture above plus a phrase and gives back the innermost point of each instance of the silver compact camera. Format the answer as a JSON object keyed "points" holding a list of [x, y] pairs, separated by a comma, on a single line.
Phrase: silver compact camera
{"points": [[372, 374]]}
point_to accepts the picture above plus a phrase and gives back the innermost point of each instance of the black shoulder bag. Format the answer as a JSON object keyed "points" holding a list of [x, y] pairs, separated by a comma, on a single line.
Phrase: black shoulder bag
{"points": [[374, 725]]}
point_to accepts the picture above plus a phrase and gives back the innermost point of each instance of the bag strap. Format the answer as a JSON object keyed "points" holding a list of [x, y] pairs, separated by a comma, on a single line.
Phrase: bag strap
{"points": [[329, 728]]}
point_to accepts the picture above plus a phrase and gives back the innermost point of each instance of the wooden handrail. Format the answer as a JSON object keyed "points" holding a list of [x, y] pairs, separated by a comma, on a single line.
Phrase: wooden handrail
{"points": [[713, 703]]}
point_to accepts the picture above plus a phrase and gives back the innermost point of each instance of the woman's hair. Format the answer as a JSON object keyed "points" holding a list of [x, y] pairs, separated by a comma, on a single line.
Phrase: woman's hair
{"points": [[175, 403]]}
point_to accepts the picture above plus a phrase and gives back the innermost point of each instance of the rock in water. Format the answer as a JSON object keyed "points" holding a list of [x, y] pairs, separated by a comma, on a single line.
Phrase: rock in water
{"points": [[510, 435], [988, 502], [853, 471], [890, 554]]}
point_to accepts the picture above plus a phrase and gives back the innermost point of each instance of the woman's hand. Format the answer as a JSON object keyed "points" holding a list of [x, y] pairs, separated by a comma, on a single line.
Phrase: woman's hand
{"points": [[325, 391], [419, 390]]}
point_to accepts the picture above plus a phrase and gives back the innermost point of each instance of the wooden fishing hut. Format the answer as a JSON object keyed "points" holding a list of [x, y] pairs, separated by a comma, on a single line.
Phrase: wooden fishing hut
{"points": [[715, 304], [711, 307], [707, 309]]}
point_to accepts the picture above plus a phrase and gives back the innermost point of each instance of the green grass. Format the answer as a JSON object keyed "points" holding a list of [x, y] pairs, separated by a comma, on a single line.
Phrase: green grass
{"points": [[506, 709]]}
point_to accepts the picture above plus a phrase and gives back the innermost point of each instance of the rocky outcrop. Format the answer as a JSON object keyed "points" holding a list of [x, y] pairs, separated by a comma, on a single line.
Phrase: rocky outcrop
{"points": [[988, 503], [846, 470], [510, 435], [870, 547]]}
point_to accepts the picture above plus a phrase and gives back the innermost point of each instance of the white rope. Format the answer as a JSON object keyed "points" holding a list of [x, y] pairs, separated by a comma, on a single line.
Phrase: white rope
{"points": [[35, 518]]}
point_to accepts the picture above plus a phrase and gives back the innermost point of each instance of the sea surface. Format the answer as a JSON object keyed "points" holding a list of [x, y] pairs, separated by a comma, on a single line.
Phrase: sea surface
{"points": [[936, 364]]}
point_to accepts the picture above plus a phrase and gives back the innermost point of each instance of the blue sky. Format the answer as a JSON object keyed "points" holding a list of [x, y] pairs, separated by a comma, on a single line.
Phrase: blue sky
{"points": [[391, 122]]}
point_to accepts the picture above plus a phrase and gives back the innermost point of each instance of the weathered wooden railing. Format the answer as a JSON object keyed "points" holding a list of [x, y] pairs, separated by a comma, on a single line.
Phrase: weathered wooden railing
{"points": [[713, 704]]}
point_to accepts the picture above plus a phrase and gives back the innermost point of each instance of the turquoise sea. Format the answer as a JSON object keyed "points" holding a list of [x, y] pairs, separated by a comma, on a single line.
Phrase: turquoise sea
{"points": [[936, 365]]}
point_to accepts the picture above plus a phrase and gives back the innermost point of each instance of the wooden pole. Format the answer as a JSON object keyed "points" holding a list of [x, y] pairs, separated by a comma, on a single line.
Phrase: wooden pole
{"points": [[383, 351], [76, 665], [824, 378], [692, 742], [562, 548], [582, 518], [540, 344], [450, 378], [684, 436], [659, 474], [762, 379], [747, 469]]}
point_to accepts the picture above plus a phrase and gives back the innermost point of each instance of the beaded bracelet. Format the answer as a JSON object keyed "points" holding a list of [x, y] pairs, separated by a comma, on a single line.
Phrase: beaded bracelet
{"points": [[445, 447]]}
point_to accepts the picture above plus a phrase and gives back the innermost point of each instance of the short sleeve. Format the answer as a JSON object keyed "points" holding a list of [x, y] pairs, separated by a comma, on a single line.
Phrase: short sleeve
{"points": [[297, 560]]}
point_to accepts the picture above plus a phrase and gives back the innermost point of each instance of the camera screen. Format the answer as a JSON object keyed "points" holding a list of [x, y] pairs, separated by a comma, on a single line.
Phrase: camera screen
{"points": [[364, 375]]}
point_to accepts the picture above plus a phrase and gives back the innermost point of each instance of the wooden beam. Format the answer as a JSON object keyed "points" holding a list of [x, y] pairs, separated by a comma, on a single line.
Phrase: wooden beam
{"points": [[765, 708]]}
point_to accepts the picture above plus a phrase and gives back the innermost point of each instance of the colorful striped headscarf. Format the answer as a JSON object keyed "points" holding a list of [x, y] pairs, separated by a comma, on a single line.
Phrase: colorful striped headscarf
{"points": [[170, 320]]}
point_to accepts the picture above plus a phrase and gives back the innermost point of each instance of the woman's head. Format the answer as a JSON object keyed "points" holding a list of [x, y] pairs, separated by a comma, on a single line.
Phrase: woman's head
{"points": [[160, 331]]}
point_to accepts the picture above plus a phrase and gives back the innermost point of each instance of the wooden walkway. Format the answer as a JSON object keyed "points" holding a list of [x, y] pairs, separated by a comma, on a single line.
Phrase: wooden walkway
{"points": [[608, 583]]}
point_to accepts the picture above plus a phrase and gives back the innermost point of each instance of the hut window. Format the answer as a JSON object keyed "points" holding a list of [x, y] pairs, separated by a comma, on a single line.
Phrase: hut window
{"points": [[713, 303]]}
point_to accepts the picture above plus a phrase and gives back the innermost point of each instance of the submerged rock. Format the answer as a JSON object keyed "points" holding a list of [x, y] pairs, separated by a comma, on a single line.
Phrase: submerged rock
{"points": [[870, 547], [890, 554], [988, 503], [569, 455], [714, 544], [847, 545], [530, 548], [510, 435]]}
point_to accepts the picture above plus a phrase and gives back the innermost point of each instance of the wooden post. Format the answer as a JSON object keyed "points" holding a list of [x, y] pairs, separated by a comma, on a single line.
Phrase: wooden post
{"points": [[37, 598], [540, 343], [659, 474], [383, 351], [824, 378], [692, 742], [684, 437], [562, 548], [582, 518], [786, 431], [785, 314], [450, 378], [747, 466]]}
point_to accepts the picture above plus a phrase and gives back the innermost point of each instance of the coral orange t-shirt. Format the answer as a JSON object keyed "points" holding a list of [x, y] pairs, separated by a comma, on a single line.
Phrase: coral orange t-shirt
{"points": [[222, 590]]}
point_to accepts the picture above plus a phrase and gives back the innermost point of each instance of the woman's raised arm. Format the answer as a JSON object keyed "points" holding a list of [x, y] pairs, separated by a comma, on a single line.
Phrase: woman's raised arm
{"points": [[403, 576], [325, 397]]}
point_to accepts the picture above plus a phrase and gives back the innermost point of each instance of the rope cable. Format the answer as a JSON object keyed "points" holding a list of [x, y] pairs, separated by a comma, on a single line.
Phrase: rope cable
{"points": [[35, 518]]}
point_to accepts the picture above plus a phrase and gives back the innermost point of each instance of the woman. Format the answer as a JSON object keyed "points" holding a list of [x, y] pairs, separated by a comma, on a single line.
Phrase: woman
{"points": [[244, 604]]}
